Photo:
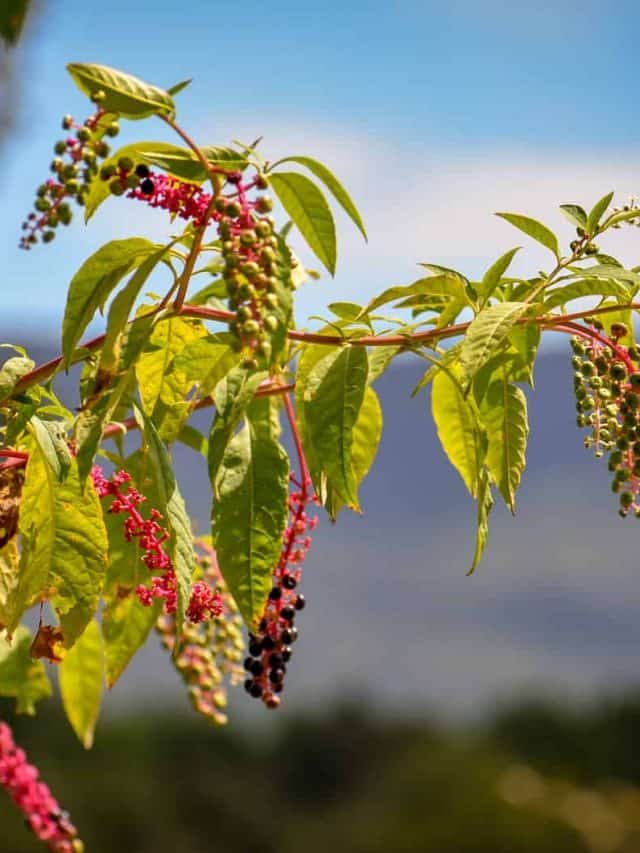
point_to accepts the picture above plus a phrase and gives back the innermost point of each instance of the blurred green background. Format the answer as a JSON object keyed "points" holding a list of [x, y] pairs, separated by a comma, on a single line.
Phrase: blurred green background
{"points": [[530, 778]]}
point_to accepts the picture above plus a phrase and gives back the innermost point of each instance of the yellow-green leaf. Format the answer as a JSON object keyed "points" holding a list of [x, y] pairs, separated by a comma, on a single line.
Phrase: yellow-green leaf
{"points": [[124, 94], [367, 432], [250, 513], [81, 676], [504, 415], [486, 334], [310, 213], [458, 427], [22, 677], [64, 546], [333, 397]]}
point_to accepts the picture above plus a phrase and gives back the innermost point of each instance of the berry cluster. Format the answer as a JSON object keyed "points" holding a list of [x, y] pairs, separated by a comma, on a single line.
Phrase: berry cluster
{"points": [[211, 651], [632, 204], [270, 648], [74, 167], [204, 602], [181, 199], [607, 389], [41, 810]]}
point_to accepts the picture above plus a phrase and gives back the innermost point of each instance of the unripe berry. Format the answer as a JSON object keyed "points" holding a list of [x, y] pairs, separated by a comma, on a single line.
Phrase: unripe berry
{"points": [[116, 187], [98, 97], [60, 147], [67, 122], [112, 129], [264, 204]]}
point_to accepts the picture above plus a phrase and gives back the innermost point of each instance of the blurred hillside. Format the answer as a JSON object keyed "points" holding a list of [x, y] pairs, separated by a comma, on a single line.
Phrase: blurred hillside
{"points": [[532, 779]]}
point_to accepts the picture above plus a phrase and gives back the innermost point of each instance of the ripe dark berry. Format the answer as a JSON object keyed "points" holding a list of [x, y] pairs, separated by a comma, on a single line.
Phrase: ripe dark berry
{"points": [[301, 602], [289, 582], [257, 668], [255, 648], [287, 613], [248, 663], [255, 690], [142, 170], [268, 643], [275, 594], [147, 186], [286, 654], [276, 675]]}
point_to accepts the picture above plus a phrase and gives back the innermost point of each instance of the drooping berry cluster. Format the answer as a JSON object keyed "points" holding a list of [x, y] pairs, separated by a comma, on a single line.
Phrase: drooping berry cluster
{"points": [[40, 808], [607, 389], [74, 167], [211, 652], [270, 649], [204, 602]]}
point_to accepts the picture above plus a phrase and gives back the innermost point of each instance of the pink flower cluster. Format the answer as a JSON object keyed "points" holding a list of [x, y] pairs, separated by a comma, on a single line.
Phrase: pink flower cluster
{"points": [[204, 602], [42, 812], [188, 201]]}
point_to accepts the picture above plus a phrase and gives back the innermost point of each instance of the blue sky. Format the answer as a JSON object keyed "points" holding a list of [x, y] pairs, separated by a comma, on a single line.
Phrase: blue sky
{"points": [[434, 115]]}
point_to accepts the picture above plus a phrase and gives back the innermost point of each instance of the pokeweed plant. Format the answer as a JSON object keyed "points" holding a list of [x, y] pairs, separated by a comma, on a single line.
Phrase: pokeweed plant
{"points": [[93, 528]]}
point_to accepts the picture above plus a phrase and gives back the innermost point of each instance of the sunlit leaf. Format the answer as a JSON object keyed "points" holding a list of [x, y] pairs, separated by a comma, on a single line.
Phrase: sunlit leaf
{"points": [[126, 95], [534, 229], [81, 675], [21, 677], [310, 213]]}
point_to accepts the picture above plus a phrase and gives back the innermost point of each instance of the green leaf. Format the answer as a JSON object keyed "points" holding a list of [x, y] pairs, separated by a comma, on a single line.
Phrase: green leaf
{"points": [[232, 397], [250, 513], [22, 677], [125, 622], [308, 209], [121, 308], [444, 285], [379, 360], [459, 428], [486, 334], [92, 284], [12, 18], [173, 509], [9, 575], [575, 214], [605, 271], [178, 87], [493, 275], [597, 212], [485, 504], [504, 416], [194, 439], [524, 340], [12, 372], [333, 396], [345, 310], [367, 432], [126, 95], [534, 229], [51, 439], [81, 676], [333, 185], [204, 362], [226, 158], [64, 546], [158, 386], [585, 287]]}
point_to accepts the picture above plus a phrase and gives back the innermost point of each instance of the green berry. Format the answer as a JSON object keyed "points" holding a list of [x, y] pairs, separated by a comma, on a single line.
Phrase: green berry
{"points": [[125, 163], [67, 122], [112, 129], [618, 370], [48, 236], [264, 204], [98, 97], [60, 147], [116, 187], [626, 499]]}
